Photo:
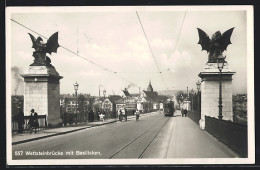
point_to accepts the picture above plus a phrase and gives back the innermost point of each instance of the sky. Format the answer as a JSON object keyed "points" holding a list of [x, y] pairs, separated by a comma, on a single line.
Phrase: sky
{"points": [[114, 39]]}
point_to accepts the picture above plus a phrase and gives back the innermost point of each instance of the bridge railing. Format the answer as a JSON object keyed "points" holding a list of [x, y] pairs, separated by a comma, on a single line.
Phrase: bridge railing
{"points": [[194, 115], [232, 134], [42, 120]]}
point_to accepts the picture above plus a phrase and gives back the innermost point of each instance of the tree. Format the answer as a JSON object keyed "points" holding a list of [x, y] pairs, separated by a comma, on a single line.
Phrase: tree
{"points": [[180, 96], [81, 108]]}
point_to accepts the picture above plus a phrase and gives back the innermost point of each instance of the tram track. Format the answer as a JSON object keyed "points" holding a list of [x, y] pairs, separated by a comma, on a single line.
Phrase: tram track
{"points": [[153, 127]]}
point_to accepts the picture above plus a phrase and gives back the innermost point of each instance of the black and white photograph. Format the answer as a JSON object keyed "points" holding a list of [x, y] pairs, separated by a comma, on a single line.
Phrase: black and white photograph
{"points": [[130, 85]]}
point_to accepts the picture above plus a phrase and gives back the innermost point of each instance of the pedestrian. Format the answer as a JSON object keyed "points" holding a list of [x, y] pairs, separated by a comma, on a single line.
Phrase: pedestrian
{"points": [[137, 114], [104, 113], [121, 115], [98, 113], [185, 112], [65, 118], [102, 117], [91, 115], [118, 113], [182, 112], [125, 114], [35, 122], [20, 120], [30, 123]]}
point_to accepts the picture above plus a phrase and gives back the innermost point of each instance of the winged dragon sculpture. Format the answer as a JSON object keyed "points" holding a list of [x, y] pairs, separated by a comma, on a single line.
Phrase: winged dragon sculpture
{"points": [[216, 45], [41, 48]]}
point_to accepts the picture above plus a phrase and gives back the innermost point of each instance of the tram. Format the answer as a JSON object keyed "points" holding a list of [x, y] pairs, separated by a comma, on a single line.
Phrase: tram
{"points": [[168, 108]]}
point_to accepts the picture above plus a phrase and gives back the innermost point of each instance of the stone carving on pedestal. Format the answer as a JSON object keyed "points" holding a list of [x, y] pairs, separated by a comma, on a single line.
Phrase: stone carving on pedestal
{"points": [[210, 77], [41, 82]]}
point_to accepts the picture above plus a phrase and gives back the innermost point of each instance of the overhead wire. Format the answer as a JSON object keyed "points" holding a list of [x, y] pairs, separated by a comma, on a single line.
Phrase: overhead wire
{"points": [[177, 42], [151, 50], [109, 70], [76, 53]]}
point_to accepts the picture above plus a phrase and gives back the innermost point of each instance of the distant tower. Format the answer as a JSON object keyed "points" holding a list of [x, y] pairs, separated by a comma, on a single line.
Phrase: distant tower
{"points": [[150, 88]]}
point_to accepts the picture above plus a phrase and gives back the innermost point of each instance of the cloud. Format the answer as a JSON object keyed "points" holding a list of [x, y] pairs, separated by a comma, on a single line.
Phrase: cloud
{"points": [[162, 44], [116, 41]]}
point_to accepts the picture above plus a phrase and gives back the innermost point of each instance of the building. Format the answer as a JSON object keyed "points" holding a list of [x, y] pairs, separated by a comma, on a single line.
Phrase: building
{"points": [[109, 103], [240, 105], [150, 100], [120, 104], [130, 100], [16, 101], [69, 102]]}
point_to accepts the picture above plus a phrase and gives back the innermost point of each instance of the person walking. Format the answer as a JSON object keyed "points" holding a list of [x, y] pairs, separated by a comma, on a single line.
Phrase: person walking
{"points": [[30, 123], [125, 114], [20, 120], [91, 115], [98, 113], [185, 112], [65, 118], [118, 114], [102, 117], [104, 113], [35, 122], [137, 114]]}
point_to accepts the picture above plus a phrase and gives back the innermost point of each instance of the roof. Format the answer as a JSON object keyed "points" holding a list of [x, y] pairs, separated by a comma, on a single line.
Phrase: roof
{"points": [[120, 101], [71, 96], [135, 95], [154, 97], [127, 94], [114, 98], [150, 87], [150, 94]]}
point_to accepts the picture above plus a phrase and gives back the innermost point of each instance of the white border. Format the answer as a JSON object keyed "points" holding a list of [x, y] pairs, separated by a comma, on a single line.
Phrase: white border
{"points": [[176, 161]]}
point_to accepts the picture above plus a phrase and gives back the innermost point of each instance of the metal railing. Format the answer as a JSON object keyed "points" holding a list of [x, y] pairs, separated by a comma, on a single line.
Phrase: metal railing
{"points": [[194, 115], [42, 120], [232, 134]]}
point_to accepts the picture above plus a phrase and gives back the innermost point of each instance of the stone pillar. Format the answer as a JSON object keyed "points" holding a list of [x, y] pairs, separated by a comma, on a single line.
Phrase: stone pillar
{"points": [[42, 93], [210, 92]]}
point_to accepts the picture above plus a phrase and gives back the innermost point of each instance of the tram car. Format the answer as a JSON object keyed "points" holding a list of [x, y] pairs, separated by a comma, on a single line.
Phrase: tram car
{"points": [[168, 108]]}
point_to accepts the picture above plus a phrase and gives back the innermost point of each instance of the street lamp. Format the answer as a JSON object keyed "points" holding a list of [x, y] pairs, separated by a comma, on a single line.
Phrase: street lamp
{"points": [[220, 62], [192, 92], [76, 86], [198, 88], [187, 93]]}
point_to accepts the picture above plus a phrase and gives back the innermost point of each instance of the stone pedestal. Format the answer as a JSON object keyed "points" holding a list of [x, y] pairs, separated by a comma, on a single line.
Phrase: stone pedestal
{"points": [[42, 93], [210, 92]]}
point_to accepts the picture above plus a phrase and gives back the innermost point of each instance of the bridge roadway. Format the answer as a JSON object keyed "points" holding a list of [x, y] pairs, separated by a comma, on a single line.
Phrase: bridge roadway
{"points": [[154, 136]]}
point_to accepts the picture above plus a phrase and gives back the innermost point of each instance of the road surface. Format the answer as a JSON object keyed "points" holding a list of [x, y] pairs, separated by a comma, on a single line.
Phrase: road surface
{"points": [[154, 136]]}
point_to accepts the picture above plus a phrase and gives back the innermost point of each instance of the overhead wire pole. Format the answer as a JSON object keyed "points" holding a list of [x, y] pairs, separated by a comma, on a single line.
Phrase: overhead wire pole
{"points": [[151, 50], [76, 53]]}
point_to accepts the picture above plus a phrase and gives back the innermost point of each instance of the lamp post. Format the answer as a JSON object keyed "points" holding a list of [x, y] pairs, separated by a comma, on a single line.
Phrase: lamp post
{"points": [[76, 86], [187, 93], [198, 88], [220, 62], [65, 112], [192, 92]]}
